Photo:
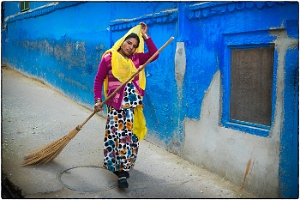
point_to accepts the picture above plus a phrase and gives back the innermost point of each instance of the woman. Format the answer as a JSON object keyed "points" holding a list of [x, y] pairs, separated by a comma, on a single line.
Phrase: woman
{"points": [[123, 129]]}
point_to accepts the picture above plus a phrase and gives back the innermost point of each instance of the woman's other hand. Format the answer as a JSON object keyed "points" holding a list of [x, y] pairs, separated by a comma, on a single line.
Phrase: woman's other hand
{"points": [[144, 30]]}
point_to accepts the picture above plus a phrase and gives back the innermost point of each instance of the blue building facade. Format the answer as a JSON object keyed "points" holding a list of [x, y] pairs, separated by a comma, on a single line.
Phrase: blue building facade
{"points": [[188, 98]]}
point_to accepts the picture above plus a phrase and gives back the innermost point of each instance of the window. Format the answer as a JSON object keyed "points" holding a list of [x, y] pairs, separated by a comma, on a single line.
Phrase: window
{"points": [[251, 85], [24, 5], [248, 78]]}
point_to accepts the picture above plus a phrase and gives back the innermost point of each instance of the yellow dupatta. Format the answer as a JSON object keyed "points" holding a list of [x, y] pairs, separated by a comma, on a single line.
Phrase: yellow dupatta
{"points": [[123, 69]]}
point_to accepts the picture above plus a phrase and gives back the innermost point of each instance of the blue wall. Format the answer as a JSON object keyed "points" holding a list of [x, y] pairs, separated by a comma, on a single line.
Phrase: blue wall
{"points": [[289, 165], [62, 44]]}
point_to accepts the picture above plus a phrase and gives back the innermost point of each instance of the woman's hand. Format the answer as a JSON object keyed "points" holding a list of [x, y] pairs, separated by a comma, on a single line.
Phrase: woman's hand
{"points": [[144, 30], [98, 106]]}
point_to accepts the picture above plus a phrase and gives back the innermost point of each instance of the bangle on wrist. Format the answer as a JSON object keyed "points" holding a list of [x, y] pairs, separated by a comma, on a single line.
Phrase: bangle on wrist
{"points": [[146, 36], [98, 100]]}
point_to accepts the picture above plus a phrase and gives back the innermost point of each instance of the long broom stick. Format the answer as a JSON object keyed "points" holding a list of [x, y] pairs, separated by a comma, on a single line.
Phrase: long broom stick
{"points": [[50, 151]]}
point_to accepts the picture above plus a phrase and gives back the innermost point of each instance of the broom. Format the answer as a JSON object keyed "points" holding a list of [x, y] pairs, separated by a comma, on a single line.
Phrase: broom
{"points": [[50, 151]]}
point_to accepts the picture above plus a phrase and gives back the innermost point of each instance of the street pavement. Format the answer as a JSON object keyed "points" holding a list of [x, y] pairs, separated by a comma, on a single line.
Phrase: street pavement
{"points": [[34, 114]]}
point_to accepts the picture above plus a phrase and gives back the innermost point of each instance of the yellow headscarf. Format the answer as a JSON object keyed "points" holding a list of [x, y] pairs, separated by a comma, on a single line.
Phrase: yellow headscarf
{"points": [[123, 69]]}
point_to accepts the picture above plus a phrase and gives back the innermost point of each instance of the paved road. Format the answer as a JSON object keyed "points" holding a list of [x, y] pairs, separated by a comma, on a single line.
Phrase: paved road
{"points": [[34, 115]]}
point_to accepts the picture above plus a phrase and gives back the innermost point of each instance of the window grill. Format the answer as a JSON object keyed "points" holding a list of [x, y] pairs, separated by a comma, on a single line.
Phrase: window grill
{"points": [[251, 85]]}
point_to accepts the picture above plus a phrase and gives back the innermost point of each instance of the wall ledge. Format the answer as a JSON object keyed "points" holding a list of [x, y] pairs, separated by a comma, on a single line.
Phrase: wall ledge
{"points": [[165, 16], [48, 8], [210, 9]]}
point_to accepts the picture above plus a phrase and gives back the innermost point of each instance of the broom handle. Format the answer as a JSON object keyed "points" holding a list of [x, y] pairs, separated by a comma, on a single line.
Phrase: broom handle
{"points": [[134, 75]]}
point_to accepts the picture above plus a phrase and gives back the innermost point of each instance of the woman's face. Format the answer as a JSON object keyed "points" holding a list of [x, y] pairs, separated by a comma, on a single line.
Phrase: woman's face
{"points": [[128, 47]]}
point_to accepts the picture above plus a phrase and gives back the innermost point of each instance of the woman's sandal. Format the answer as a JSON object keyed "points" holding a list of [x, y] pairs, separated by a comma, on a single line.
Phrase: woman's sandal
{"points": [[122, 182]]}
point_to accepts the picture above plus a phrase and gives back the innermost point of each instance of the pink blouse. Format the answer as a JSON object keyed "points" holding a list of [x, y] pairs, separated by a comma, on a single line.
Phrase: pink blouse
{"points": [[104, 70]]}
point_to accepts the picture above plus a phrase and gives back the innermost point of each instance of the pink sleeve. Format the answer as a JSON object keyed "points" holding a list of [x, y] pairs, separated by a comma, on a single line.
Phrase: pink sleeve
{"points": [[103, 70], [143, 57]]}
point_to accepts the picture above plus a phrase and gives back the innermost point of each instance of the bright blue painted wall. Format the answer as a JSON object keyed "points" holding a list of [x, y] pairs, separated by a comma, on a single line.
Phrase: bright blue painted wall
{"points": [[62, 44], [289, 166]]}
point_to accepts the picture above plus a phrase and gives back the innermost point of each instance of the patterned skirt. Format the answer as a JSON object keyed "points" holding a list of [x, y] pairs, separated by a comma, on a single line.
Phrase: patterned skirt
{"points": [[120, 143]]}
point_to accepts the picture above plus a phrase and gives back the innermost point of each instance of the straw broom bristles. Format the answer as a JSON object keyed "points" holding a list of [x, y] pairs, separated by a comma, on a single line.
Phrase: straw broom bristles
{"points": [[50, 151]]}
